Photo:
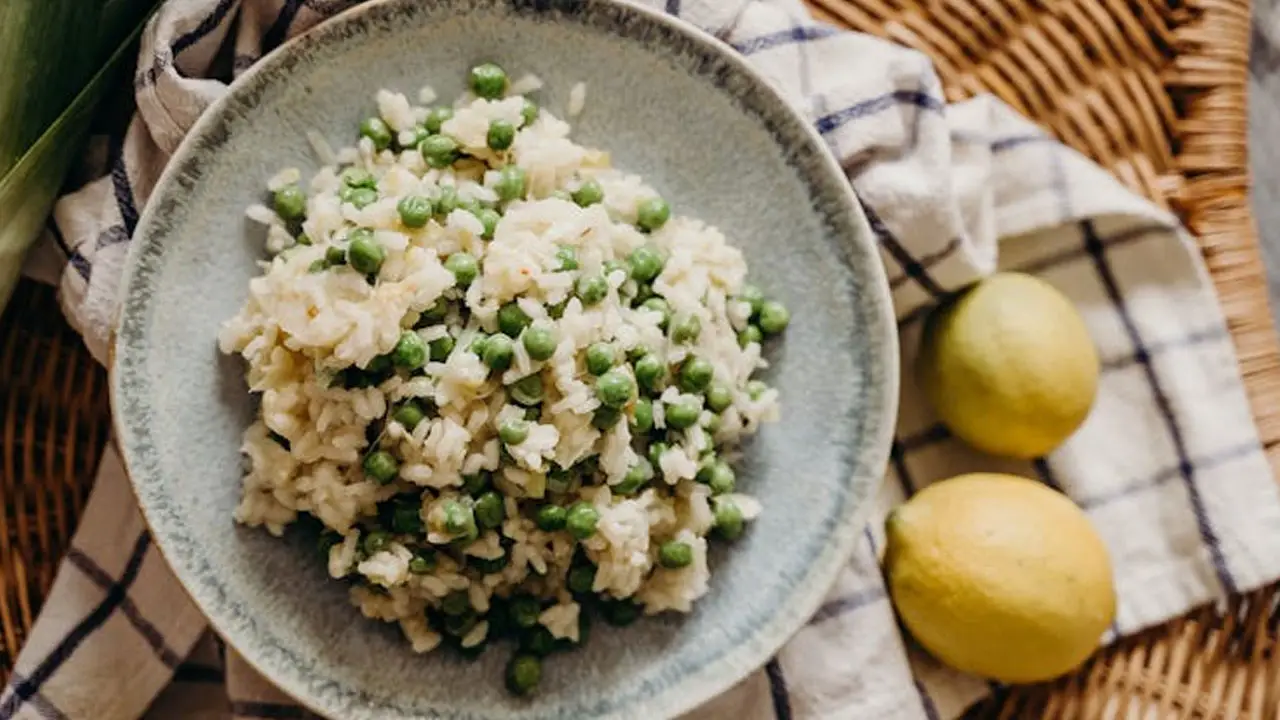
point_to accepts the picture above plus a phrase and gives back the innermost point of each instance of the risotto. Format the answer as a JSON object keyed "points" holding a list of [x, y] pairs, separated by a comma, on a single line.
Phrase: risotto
{"points": [[502, 378]]}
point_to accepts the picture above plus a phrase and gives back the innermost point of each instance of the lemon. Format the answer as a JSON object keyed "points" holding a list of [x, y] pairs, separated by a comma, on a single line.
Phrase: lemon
{"points": [[999, 576], [1009, 366]]}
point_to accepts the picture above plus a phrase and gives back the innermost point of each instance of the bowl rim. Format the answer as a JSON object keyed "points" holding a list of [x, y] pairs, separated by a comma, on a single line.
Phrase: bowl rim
{"points": [[871, 458]]}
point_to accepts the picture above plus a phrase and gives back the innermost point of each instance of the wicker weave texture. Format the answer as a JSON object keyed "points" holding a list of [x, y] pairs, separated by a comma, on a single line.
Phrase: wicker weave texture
{"points": [[1154, 90]]}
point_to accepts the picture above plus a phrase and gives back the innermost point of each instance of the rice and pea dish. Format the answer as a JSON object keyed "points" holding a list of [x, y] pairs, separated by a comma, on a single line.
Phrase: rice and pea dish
{"points": [[502, 378]]}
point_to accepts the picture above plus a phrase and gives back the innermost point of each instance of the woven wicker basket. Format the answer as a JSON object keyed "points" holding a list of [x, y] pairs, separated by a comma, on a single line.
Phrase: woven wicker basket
{"points": [[1152, 89]]}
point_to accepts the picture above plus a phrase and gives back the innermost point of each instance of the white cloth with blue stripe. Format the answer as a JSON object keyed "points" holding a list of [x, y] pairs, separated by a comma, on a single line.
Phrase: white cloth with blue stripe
{"points": [[1168, 465]]}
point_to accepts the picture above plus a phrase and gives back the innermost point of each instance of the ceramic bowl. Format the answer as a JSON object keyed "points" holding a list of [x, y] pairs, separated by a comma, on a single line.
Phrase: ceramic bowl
{"points": [[671, 104]]}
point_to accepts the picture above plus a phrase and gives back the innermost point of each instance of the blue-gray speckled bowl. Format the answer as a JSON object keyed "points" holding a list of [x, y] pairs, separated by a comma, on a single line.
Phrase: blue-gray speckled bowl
{"points": [[672, 104]]}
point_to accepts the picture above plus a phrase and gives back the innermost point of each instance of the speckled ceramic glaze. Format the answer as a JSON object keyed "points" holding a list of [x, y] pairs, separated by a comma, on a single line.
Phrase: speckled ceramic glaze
{"points": [[671, 104]]}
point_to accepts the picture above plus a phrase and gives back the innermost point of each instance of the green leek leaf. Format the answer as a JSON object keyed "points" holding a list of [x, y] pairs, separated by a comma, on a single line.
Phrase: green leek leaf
{"points": [[60, 58]]}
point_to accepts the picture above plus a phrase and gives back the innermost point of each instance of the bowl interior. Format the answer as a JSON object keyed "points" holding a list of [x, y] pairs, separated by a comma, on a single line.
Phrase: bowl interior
{"points": [[669, 104]]}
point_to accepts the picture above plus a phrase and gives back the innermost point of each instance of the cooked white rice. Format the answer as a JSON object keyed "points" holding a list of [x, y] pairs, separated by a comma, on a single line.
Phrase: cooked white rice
{"points": [[308, 322]]}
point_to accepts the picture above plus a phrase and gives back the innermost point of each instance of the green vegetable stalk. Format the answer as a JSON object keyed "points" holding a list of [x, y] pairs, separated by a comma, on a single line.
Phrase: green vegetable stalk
{"points": [[60, 57]]}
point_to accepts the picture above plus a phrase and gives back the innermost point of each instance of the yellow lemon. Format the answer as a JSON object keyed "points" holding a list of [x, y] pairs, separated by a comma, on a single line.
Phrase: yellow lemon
{"points": [[1009, 366], [999, 576]]}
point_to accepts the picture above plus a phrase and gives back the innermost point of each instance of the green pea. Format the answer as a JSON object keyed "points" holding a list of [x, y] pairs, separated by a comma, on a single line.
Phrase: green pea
{"points": [[528, 112], [527, 390], [510, 183], [615, 388], [524, 672], [682, 414], [410, 352], [488, 81], [382, 466], [650, 372], [620, 613], [375, 542], [364, 253], [334, 255], [422, 563], [600, 357], [719, 398], [318, 266], [501, 134], [551, 518], [479, 344], [290, 202], [358, 177], [498, 352], [539, 342], [512, 320], [303, 239], [409, 415], [774, 317], [557, 311], [538, 640], [728, 519], [581, 578], [559, 480], [750, 334], [406, 518], [438, 350], [458, 518], [514, 432], [489, 219], [696, 374], [591, 289], [674, 554], [721, 479], [435, 314], [636, 477], [415, 210], [464, 267], [588, 193], [605, 417], [459, 625], [660, 306], [362, 197], [706, 465], [686, 329], [447, 200], [436, 117], [754, 297], [712, 424], [652, 214], [642, 415], [646, 263], [476, 484], [455, 603], [418, 133], [581, 520], [440, 151], [376, 130], [656, 451], [489, 510], [568, 258], [524, 610], [756, 389]]}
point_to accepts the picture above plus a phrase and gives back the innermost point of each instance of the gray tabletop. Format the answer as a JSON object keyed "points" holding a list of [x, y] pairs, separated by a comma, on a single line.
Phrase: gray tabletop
{"points": [[1264, 134]]}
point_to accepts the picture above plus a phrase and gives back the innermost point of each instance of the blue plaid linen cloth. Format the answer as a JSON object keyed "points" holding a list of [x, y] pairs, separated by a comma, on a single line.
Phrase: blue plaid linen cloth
{"points": [[1168, 466]]}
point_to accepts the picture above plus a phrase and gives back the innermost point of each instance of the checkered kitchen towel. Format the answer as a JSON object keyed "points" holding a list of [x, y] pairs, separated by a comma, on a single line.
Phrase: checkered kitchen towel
{"points": [[1168, 465]]}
